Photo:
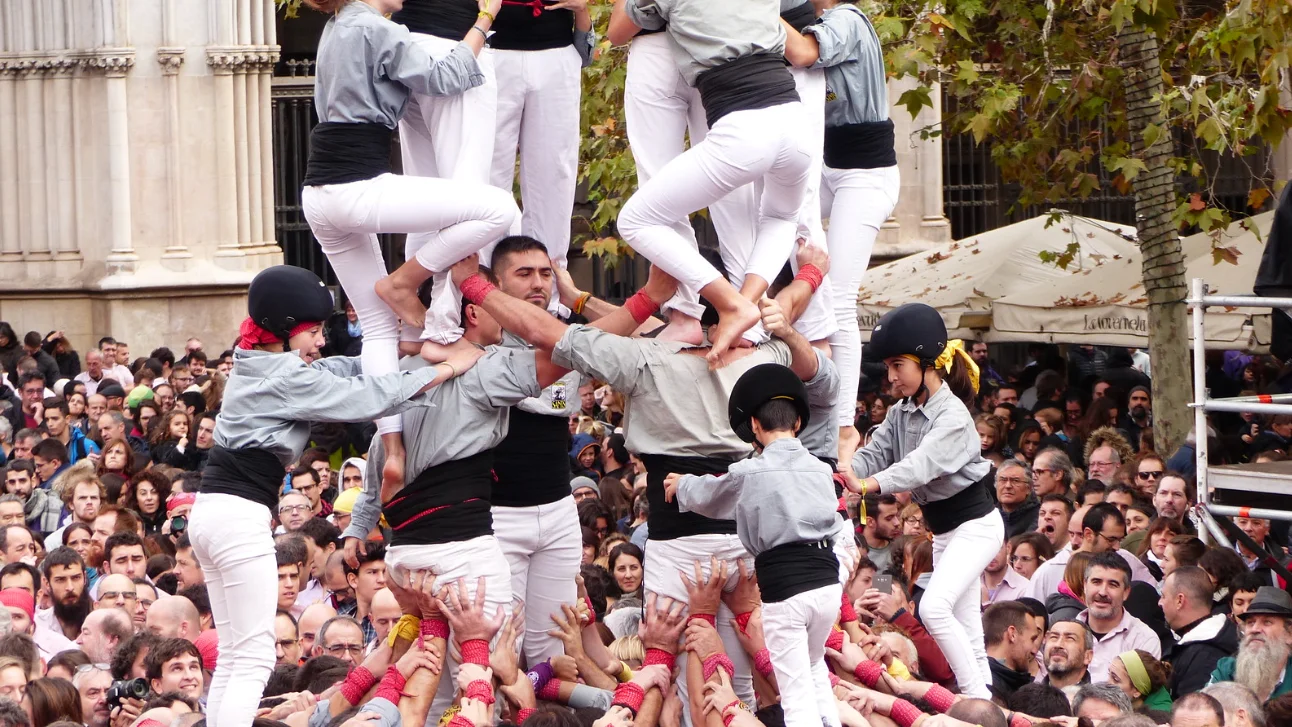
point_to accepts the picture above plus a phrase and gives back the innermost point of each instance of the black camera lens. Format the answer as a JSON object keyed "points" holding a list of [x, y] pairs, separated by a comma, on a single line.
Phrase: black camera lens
{"points": [[178, 524], [127, 689]]}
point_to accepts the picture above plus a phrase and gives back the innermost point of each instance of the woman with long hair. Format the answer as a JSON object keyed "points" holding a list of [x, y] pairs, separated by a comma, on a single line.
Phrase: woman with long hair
{"points": [[1160, 533], [170, 441], [626, 568], [53, 700], [143, 415], [1069, 599], [147, 496], [118, 458], [1028, 551], [1029, 442]]}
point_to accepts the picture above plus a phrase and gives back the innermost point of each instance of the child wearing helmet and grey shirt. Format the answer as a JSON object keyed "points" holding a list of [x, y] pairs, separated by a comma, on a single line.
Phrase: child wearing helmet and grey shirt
{"points": [[784, 506]]}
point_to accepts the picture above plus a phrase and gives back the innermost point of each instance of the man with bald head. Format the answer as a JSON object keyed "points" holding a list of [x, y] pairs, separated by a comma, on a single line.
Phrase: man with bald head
{"points": [[311, 620], [174, 618], [384, 612], [102, 632], [116, 591]]}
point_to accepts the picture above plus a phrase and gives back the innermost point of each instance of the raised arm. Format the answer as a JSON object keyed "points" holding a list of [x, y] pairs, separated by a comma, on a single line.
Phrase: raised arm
{"points": [[800, 50], [622, 29], [803, 358]]}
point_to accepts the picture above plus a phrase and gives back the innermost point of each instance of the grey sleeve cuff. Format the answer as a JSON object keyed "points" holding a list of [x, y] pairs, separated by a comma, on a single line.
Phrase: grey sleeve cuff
{"points": [[586, 696], [644, 14], [585, 42], [388, 712]]}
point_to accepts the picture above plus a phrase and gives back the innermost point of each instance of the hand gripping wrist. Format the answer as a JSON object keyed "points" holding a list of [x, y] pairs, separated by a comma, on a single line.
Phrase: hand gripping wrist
{"points": [[712, 664], [475, 651], [659, 656], [356, 684], [629, 695], [480, 690], [869, 672]]}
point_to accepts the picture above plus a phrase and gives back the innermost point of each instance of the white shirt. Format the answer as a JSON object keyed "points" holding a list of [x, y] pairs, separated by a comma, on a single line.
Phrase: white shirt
{"points": [[49, 636]]}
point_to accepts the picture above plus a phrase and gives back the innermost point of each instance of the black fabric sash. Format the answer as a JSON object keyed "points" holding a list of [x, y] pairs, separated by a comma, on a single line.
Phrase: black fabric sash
{"points": [[342, 153], [252, 474], [665, 521], [868, 145], [793, 568], [753, 82], [447, 503]]}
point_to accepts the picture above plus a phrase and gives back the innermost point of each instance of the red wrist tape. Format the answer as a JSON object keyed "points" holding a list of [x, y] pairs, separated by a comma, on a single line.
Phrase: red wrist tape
{"points": [[705, 617], [629, 695], [940, 698], [480, 690], [475, 651], [712, 664], [640, 306], [834, 640], [904, 713], [460, 721], [356, 684], [834, 679], [869, 672], [763, 662], [551, 691], [1019, 720], [392, 686], [727, 718], [847, 613], [150, 723], [432, 629], [524, 714], [742, 621], [475, 288], [592, 612], [811, 275], [661, 657]]}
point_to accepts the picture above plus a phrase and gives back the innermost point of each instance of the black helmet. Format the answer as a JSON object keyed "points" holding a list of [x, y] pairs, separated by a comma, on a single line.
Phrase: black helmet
{"points": [[759, 385], [285, 296], [913, 328]]}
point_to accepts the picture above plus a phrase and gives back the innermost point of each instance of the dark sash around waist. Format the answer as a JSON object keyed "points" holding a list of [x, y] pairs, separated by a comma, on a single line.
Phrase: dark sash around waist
{"points": [[753, 82], [252, 474], [451, 19], [868, 145], [793, 568], [971, 503], [447, 503], [800, 17], [343, 153], [530, 25], [665, 521], [532, 463]]}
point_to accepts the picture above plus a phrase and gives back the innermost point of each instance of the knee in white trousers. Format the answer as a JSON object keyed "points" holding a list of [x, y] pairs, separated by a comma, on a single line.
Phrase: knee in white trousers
{"points": [[796, 630], [951, 608], [543, 546]]}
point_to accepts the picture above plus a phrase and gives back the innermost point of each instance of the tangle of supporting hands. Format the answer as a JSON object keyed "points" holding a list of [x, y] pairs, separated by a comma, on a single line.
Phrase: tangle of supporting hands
{"points": [[396, 683]]}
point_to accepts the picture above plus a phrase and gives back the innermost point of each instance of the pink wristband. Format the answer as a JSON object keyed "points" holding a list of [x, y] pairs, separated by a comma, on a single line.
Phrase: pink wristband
{"points": [[811, 275], [763, 662], [150, 723], [433, 629], [705, 617], [1019, 720], [904, 713], [480, 690], [727, 718], [940, 698], [475, 288], [392, 686], [742, 621], [712, 664], [847, 613], [661, 657], [629, 695], [551, 691], [640, 306], [356, 684], [475, 651], [834, 640], [460, 721], [592, 612], [869, 672], [524, 714]]}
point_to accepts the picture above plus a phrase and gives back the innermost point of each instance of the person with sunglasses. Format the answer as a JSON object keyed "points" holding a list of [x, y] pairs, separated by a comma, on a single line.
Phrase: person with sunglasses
{"points": [[1149, 468]]}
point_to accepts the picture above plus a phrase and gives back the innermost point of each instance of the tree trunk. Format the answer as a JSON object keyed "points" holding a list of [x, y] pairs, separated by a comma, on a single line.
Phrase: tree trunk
{"points": [[1155, 202]]}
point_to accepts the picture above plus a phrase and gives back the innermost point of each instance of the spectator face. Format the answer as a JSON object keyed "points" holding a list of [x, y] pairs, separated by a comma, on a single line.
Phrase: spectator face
{"points": [[66, 583], [93, 688], [55, 423], [181, 379], [1012, 487], [1147, 474], [351, 478], [1065, 648], [384, 613], [145, 597], [205, 433], [628, 573], [1122, 500], [21, 624], [1046, 478], [114, 460], [1007, 395], [1029, 443], [1265, 629], [94, 640], [1140, 405], [1072, 412], [288, 646], [117, 591], [1118, 677], [187, 572], [1024, 560], [1170, 499], [146, 415], [165, 397], [83, 543], [1107, 538], [13, 684], [370, 579], [1098, 711], [584, 493], [323, 472], [122, 356], [94, 365], [19, 546], [1239, 604], [887, 523], [1136, 521], [18, 482], [129, 561], [225, 366], [22, 447], [344, 641], [587, 398], [288, 578], [45, 468], [109, 427], [22, 579], [1194, 717], [1103, 464], [308, 485], [146, 495], [197, 368], [293, 511], [178, 427], [182, 674], [33, 392], [1105, 592], [11, 513], [1101, 389], [986, 437], [104, 525], [1052, 522], [978, 350], [311, 620], [1256, 528]]}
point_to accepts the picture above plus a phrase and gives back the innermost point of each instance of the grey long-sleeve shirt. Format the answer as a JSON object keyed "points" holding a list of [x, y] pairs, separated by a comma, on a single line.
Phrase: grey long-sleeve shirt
{"points": [[709, 33], [821, 435], [368, 65], [850, 52], [785, 495], [931, 451], [466, 416], [271, 399]]}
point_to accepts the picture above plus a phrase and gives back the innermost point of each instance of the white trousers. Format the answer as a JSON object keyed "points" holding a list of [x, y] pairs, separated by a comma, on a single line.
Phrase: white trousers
{"points": [[666, 559], [469, 560], [543, 546], [952, 605], [235, 549], [857, 201], [845, 549], [796, 630], [661, 110], [538, 115], [743, 147], [450, 137], [346, 218]]}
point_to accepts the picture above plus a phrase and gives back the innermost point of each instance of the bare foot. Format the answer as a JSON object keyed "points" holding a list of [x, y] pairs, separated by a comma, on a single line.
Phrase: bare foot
{"points": [[392, 476], [682, 327], [403, 301], [731, 324]]}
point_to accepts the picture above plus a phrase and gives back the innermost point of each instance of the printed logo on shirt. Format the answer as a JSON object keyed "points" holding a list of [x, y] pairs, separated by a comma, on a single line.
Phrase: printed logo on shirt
{"points": [[558, 396]]}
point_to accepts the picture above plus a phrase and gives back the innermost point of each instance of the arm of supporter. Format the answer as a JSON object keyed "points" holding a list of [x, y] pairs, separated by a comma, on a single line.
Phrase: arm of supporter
{"points": [[646, 14], [823, 387], [800, 50], [317, 395], [618, 361], [839, 37], [531, 323], [713, 496], [622, 29], [933, 664], [503, 377], [387, 713], [367, 507], [585, 42], [803, 358], [345, 366], [399, 58], [947, 447]]}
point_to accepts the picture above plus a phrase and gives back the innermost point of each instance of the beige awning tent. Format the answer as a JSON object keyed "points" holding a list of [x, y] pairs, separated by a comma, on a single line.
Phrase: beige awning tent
{"points": [[961, 279], [1108, 305]]}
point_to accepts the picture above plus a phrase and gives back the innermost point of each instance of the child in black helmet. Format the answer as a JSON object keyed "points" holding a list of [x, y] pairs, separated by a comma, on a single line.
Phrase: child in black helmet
{"points": [[784, 506], [278, 385], [928, 446]]}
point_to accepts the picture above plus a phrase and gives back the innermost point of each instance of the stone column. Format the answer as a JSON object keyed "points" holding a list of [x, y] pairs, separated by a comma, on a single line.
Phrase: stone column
{"points": [[62, 171], [222, 62], [10, 243], [171, 59], [934, 225], [117, 63]]}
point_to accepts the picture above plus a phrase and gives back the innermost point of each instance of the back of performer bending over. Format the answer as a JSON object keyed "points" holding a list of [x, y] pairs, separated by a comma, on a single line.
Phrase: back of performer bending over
{"points": [[928, 446], [278, 386], [784, 506]]}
